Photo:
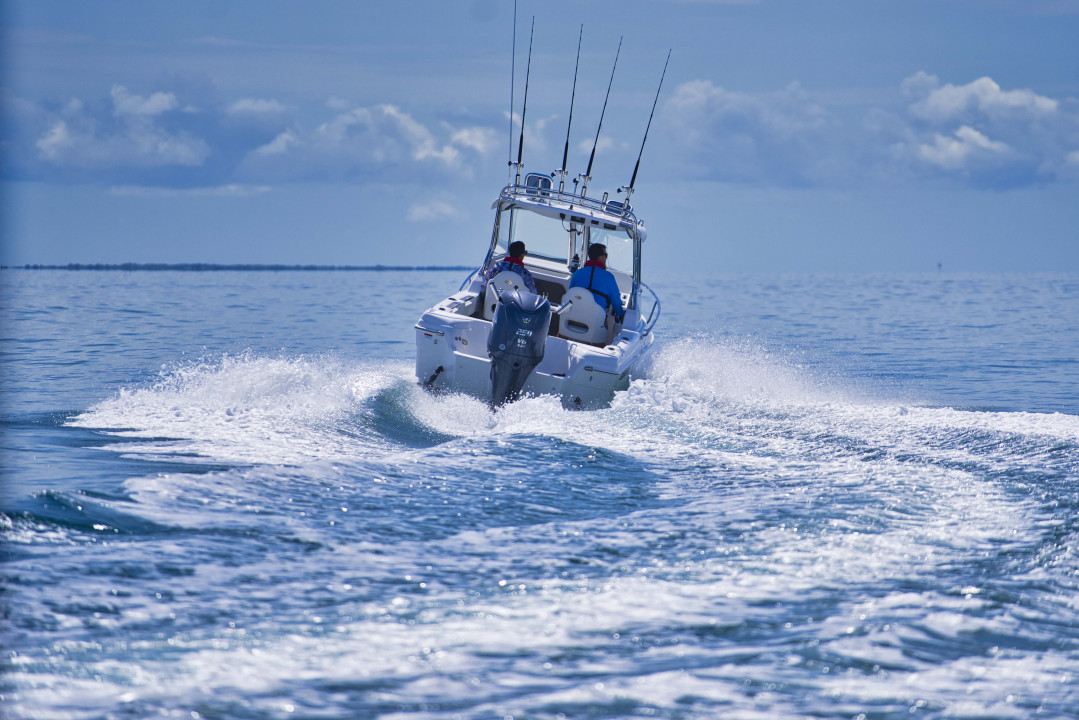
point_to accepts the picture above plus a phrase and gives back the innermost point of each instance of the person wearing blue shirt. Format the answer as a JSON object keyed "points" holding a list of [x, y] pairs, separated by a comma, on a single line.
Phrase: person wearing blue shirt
{"points": [[596, 277], [513, 262]]}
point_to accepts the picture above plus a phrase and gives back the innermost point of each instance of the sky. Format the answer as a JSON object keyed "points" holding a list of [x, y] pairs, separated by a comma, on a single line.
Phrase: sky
{"points": [[789, 136]]}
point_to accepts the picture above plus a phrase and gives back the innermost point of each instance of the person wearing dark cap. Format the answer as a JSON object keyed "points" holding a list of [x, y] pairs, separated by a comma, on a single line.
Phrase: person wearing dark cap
{"points": [[514, 262], [596, 277]]}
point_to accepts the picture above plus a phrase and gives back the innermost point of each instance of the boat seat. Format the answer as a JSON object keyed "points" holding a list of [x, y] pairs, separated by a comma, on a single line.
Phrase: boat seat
{"points": [[584, 320], [505, 280]]}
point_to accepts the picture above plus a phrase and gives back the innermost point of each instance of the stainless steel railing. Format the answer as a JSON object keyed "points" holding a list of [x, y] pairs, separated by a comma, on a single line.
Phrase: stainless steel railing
{"points": [[654, 313]]}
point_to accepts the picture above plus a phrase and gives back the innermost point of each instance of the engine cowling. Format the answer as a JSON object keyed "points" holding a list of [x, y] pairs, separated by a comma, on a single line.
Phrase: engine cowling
{"points": [[517, 341]]}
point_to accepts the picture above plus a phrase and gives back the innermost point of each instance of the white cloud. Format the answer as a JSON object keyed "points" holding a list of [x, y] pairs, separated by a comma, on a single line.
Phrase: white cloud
{"points": [[278, 145], [74, 106], [978, 133], [125, 103], [381, 140], [985, 134], [256, 106], [154, 146], [136, 132], [55, 142], [480, 139], [383, 133], [604, 144], [165, 192], [434, 211], [967, 146], [774, 137], [76, 138], [1069, 169], [786, 112], [536, 142], [940, 104], [423, 143]]}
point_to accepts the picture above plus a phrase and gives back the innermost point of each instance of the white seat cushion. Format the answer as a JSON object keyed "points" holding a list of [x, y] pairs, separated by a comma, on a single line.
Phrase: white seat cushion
{"points": [[584, 319], [505, 280]]}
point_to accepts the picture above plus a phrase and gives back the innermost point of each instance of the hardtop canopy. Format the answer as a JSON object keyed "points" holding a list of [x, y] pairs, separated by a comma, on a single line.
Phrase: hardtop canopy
{"points": [[609, 215]]}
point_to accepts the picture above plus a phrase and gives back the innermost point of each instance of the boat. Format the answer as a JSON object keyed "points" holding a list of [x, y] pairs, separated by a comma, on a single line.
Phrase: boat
{"points": [[497, 341], [560, 341]]}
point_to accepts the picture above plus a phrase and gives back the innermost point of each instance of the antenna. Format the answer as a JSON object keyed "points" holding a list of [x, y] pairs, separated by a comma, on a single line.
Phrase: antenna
{"points": [[565, 152], [588, 173], [513, 75], [524, 107], [629, 190]]}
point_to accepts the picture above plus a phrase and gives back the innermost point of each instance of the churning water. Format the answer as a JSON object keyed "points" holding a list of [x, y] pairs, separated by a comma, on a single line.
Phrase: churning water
{"points": [[826, 497]]}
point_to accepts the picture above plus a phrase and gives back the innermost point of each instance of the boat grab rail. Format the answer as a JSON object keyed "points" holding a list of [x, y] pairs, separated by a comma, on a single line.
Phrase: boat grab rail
{"points": [[617, 209], [650, 322], [467, 280]]}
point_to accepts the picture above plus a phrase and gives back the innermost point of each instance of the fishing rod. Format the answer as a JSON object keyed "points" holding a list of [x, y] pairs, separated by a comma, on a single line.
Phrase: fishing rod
{"points": [[588, 173], [513, 77], [524, 107], [629, 190], [565, 152]]}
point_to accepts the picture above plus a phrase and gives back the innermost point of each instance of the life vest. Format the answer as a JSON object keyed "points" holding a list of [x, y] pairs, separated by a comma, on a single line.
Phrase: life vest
{"points": [[605, 296]]}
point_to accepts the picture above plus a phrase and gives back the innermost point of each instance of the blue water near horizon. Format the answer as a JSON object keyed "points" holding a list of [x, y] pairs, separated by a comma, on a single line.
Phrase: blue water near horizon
{"points": [[827, 496]]}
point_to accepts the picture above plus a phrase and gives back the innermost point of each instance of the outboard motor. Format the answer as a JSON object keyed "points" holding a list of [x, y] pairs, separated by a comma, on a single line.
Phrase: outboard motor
{"points": [[516, 344]]}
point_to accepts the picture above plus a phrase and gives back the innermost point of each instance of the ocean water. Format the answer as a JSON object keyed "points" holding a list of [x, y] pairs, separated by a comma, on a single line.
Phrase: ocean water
{"points": [[224, 496]]}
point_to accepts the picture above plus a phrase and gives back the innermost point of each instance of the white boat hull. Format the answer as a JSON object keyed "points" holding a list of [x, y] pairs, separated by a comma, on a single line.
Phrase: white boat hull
{"points": [[451, 355]]}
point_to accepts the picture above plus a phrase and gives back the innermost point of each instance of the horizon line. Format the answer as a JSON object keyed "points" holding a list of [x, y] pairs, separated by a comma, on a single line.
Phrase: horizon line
{"points": [[233, 267]]}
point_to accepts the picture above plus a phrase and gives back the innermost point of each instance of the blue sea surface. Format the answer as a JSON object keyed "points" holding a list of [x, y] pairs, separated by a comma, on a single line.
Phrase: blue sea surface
{"points": [[850, 496]]}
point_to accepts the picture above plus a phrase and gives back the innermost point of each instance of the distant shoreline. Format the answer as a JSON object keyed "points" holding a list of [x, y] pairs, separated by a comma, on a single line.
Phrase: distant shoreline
{"points": [[243, 267]]}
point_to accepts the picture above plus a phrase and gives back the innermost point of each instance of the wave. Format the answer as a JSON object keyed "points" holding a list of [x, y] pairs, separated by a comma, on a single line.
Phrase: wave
{"points": [[244, 410], [697, 394], [768, 400], [724, 429], [734, 514]]}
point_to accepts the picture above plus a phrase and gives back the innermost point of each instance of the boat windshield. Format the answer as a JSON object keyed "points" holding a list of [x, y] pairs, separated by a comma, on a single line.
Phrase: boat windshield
{"points": [[619, 248], [558, 240], [544, 237]]}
